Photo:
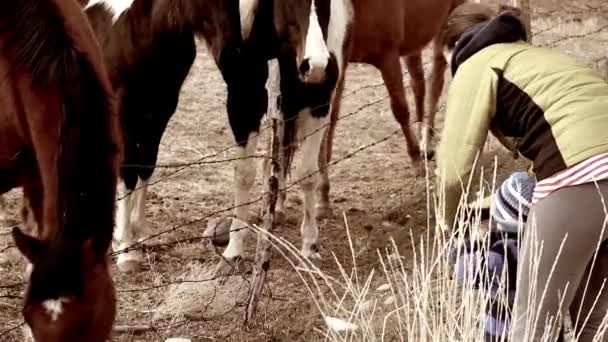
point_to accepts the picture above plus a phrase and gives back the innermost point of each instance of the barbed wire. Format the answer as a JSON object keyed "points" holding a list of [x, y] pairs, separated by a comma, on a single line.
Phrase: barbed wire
{"points": [[177, 167]]}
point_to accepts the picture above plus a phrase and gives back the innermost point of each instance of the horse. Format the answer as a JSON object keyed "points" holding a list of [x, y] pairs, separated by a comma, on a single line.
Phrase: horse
{"points": [[147, 69], [308, 38], [60, 142], [383, 32]]}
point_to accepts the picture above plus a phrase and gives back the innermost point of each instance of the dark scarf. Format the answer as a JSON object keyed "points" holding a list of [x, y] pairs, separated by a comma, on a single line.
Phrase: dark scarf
{"points": [[505, 28]]}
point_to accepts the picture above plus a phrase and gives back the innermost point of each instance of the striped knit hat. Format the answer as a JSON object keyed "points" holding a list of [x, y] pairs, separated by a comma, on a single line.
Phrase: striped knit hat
{"points": [[512, 200]]}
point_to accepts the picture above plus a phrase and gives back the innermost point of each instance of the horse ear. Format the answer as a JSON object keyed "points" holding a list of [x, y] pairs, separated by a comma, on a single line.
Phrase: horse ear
{"points": [[32, 248]]}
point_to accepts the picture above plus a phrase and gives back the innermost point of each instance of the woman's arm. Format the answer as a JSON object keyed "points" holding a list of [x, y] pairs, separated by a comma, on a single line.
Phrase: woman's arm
{"points": [[470, 108]]}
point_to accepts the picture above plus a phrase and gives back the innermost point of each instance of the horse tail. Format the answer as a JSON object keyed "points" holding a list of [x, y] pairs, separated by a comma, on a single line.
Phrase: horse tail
{"points": [[52, 41]]}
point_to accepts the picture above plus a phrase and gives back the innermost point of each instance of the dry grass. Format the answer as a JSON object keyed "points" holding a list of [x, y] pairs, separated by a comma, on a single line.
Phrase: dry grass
{"points": [[385, 205]]}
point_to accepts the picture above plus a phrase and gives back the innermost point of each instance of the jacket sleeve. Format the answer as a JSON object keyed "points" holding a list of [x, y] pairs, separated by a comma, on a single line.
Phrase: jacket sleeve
{"points": [[470, 108]]}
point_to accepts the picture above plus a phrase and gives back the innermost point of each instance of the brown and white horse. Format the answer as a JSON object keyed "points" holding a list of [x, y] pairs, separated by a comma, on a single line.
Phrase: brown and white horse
{"points": [[308, 38], [383, 32], [60, 141]]}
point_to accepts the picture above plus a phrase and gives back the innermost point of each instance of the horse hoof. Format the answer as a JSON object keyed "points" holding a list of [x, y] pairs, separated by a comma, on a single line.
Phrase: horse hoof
{"points": [[311, 253], [129, 262], [218, 231]]}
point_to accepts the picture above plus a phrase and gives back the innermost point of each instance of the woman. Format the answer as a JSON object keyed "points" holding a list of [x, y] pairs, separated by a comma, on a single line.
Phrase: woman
{"points": [[553, 110]]}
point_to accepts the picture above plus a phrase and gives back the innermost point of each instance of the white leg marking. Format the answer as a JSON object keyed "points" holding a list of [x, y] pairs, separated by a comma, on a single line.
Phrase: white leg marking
{"points": [[54, 307], [244, 173], [341, 15], [307, 175], [124, 236], [247, 10], [29, 267], [315, 50], [138, 215], [122, 233], [116, 7]]}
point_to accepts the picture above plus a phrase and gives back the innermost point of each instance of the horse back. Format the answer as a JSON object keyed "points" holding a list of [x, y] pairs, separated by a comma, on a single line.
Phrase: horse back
{"points": [[405, 26]]}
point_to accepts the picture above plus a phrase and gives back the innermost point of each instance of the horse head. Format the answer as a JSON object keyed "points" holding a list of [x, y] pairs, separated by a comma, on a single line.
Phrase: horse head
{"points": [[70, 295], [316, 31]]}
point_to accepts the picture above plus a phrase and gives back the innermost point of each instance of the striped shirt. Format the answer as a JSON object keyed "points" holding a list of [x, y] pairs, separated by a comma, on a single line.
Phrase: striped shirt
{"points": [[590, 170]]}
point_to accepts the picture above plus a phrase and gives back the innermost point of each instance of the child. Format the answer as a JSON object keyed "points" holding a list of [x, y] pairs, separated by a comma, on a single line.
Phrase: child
{"points": [[483, 262]]}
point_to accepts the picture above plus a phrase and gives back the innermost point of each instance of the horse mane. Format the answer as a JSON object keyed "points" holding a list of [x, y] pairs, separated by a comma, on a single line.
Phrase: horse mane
{"points": [[218, 22], [463, 18], [47, 44]]}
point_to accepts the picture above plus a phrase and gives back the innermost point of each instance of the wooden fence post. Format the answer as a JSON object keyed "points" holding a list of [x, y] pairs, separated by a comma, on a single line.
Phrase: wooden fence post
{"points": [[272, 170]]}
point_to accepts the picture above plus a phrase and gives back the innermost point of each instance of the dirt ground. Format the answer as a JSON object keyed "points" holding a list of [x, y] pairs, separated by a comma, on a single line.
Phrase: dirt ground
{"points": [[375, 189]]}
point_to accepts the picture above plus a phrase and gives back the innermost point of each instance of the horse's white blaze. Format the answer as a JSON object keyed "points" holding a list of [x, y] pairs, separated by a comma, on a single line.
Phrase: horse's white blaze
{"points": [[116, 7], [244, 173], [247, 10], [307, 174], [315, 49], [54, 307], [341, 15]]}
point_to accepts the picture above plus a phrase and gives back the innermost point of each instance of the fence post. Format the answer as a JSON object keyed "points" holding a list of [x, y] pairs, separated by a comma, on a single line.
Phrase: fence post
{"points": [[272, 169]]}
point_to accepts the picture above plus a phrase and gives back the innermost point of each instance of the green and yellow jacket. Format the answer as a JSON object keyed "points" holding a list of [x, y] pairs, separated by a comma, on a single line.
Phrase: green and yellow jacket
{"points": [[539, 102]]}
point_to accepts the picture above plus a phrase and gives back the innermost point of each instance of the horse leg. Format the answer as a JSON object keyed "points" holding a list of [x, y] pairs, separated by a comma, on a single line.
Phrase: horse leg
{"points": [[247, 103], [310, 133], [128, 261], [416, 71], [325, 154], [390, 68], [437, 82]]}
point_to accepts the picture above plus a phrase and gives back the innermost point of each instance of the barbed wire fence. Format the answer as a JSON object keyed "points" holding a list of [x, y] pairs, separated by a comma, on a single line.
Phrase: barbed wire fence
{"points": [[10, 293]]}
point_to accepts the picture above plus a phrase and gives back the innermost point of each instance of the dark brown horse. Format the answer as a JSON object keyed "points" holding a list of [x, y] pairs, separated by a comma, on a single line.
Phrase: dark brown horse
{"points": [[59, 140], [383, 32]]}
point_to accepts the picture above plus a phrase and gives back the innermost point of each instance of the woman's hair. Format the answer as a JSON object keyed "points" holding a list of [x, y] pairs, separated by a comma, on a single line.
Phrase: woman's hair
{"points": [[463, 18]]}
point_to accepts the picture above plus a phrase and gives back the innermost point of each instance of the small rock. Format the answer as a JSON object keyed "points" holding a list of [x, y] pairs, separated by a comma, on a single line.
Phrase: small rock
{"points": [[339, 325], [383, 288], [218, 231], [178, 339]]}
